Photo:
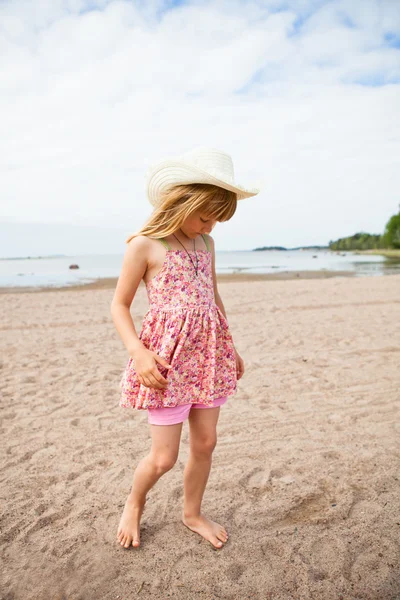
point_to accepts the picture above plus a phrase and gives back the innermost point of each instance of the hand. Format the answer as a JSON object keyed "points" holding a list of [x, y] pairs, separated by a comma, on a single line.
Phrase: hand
{"points": [[145, 362], [239, 365]]}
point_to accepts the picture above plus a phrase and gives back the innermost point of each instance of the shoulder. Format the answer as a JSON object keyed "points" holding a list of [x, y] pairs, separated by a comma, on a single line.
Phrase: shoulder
{"points": [[139, 242], [139, 246], [210, 241]]}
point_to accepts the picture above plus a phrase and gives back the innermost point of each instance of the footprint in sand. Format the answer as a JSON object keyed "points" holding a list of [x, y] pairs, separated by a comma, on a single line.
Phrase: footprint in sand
{"points": [[329, 559], [258, 479]]}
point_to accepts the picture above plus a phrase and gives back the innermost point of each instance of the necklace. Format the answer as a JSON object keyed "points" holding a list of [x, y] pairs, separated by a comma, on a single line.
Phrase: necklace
{"points": [[194, 247]]}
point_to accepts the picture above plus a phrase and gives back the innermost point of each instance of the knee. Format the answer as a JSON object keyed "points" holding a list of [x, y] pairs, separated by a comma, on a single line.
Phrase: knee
{"points": [[163, 462], [204, 446]]}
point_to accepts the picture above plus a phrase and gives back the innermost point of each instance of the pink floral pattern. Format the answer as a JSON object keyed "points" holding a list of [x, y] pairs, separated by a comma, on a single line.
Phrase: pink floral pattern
{"points": [[185, 326]]}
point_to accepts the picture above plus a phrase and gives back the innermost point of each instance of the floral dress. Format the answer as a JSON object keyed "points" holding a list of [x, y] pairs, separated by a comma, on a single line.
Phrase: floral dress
{"points": [[185, 326]]}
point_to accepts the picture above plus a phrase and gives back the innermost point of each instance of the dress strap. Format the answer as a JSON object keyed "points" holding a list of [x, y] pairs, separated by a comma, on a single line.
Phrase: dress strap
{"points": [[205, 241], [164, 243]]}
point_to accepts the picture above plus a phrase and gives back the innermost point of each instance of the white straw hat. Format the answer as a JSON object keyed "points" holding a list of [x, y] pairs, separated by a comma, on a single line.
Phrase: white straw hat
{"points": [[200, 165]]}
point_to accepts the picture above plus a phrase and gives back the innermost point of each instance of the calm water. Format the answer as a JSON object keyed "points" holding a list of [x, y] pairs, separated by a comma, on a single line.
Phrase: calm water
{"points": [[49, 272]]}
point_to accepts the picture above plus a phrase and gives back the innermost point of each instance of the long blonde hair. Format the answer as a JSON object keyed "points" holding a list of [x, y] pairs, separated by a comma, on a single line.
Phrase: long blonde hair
{"points": [[179, 201]]}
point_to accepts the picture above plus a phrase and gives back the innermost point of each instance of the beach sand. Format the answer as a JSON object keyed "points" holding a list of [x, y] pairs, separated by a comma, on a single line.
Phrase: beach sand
{"points": [[305, 474]]}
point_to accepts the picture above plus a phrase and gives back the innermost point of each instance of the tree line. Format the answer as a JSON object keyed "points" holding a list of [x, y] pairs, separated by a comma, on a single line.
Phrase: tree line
{"points": [[369, 241]]}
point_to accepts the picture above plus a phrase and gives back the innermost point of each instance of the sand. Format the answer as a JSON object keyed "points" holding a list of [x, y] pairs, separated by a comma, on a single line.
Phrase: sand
{"points": [[305, 474]]}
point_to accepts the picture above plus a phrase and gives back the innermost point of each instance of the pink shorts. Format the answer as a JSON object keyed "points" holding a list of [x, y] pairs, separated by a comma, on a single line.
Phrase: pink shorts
{"points": [[171, 415]]}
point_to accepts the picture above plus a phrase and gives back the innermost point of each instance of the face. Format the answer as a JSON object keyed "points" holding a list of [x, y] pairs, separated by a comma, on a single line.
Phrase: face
{"points": [[197, 224]]}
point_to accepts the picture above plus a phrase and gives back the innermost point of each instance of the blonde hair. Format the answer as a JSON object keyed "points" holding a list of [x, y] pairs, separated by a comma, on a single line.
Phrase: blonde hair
{"points": [[180, 201]]}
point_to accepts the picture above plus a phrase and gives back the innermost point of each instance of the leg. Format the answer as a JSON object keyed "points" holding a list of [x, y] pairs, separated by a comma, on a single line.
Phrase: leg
{"points": [[203, 438], [162, 457]]}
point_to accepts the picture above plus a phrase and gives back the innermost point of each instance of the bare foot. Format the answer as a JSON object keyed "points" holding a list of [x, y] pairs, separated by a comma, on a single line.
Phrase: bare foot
{"points": [[129, 526], [211, 531]]}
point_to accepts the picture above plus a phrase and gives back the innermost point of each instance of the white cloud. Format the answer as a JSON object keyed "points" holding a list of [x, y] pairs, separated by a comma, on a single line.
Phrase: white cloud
{"points": [[90, 98]]}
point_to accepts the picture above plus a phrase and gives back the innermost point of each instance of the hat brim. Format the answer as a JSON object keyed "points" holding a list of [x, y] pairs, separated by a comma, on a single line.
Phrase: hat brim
{"points": [[170, 172]]}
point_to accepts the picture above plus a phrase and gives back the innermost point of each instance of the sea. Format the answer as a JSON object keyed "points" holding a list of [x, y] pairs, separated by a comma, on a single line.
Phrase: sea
{"points": [[55, 271]]}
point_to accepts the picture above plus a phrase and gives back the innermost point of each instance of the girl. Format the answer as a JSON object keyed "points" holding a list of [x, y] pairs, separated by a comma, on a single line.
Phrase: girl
{"points": [[183, 365]]}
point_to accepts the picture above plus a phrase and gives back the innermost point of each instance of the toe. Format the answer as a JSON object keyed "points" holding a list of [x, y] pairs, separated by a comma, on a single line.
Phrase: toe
{"points": [[128, 541], [135, 542]]}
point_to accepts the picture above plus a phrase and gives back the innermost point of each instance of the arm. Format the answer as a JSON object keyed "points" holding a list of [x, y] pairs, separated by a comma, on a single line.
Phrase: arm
{"points": [[133, 268], [218, 300], [219, 303]]}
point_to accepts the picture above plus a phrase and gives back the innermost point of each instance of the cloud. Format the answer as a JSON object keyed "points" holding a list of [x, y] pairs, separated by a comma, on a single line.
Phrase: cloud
{"points": [[303, 94]]}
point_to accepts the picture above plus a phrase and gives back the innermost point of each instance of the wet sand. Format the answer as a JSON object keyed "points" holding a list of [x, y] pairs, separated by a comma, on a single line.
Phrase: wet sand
{"points": [[110, 282]]}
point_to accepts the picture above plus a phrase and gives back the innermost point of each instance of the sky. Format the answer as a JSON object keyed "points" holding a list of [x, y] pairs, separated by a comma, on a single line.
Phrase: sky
{"points": [[303, 94]]}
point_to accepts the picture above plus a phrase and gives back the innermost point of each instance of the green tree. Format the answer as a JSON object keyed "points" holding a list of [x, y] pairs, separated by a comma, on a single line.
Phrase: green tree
{"points": [[366, 241], [392, 232], [358, 241]]}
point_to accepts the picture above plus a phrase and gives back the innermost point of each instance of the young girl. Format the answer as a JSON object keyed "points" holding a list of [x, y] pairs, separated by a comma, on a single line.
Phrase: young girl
{"points": [[183, 365]]}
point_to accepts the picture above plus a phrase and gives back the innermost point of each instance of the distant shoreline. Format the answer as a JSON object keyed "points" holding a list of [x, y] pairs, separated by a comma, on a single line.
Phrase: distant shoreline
{"points": [[388, 253], [298, 248], [34, 257]]}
